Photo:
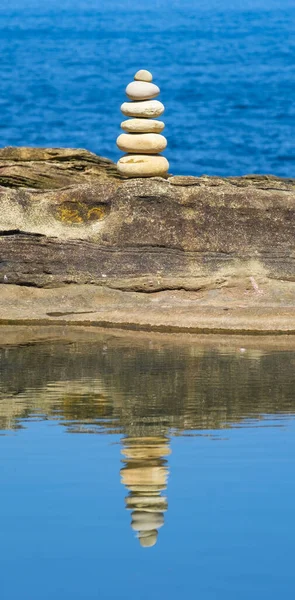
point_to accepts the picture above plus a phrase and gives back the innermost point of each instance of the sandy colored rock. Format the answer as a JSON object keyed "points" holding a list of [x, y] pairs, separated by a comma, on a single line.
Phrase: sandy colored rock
{"points": [[141, 90], [142, 165], [142, 126], [138, 143], [146, 109], [143, 75], [53, 168], [218, 254]]}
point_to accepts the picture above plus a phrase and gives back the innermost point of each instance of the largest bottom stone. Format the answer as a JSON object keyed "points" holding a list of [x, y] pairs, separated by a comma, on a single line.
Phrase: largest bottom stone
{"points": [[143, 165]]}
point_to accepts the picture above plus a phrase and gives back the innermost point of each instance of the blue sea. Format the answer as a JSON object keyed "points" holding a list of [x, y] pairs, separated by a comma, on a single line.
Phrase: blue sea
{"points": [[225, 69]]}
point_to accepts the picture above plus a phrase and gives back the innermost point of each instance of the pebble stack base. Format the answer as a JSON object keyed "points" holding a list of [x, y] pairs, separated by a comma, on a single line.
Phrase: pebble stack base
{"points": [[143, 165]]}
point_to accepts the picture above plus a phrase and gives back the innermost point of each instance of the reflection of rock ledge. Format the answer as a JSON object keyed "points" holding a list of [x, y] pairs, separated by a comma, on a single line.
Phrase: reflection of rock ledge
{"points": [[218, 254]]}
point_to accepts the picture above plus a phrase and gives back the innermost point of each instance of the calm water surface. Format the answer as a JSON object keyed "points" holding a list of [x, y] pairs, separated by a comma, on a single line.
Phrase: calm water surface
{"points": [[225, 67], [137, 468]]}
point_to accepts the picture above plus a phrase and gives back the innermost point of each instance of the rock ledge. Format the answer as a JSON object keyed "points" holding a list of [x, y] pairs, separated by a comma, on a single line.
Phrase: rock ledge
{"points": [[183, 253]]}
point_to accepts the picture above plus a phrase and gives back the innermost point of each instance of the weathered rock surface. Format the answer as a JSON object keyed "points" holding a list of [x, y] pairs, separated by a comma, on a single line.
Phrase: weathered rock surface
{"points": [[227, 245], [52, 168]]}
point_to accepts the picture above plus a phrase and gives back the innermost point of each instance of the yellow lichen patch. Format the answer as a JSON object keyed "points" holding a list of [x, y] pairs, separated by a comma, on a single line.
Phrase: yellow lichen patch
{"points": [[69, 213], [77, 213], [97, 212]]}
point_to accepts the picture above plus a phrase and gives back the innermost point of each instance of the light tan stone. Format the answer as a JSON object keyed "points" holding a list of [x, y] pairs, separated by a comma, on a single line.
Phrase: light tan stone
{"points": [[143, 75], [145, 521], [148, 503], [145, 451], [145, 475], [142, 165], [148, 539], [141, 90], [146, 109], [146, 489], [143, 143], [142, 126]]}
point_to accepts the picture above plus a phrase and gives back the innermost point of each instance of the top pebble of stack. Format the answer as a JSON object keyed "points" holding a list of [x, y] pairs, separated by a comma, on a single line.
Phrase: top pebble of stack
{"points": [[143, 75]]}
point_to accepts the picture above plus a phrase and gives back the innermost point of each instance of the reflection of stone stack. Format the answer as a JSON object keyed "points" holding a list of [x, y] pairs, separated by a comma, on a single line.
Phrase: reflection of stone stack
{"points": [[145, 474], [143, 141]]}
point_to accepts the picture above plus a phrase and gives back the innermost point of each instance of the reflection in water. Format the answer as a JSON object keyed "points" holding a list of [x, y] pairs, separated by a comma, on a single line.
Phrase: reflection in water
{"points": [[145, 392], [145, 475]]}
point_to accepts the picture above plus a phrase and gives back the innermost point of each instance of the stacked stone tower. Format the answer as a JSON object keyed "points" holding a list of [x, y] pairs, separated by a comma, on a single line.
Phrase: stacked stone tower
{"points": [[145, 475], [143, 140]]}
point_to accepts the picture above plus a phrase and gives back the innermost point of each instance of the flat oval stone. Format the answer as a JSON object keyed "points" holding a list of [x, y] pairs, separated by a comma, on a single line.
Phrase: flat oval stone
{"points": [[148, 539], [142, 143], [147, 502], [148, 109], [142, 126], [143, 165], [142, 521], [143, 75], [141, 90]]}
